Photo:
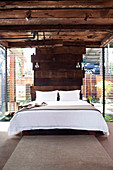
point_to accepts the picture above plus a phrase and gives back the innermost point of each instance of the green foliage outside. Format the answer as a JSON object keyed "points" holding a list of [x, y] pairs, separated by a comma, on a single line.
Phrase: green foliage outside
{"points": [[89, 98], [108, 118], [108, 87]]}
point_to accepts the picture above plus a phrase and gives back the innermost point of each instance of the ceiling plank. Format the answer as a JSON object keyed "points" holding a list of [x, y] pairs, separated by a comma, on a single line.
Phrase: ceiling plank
{"points": [[53, 28], [58, 13], [88, 20], [35, 43], [56, 4], [57, 21]]}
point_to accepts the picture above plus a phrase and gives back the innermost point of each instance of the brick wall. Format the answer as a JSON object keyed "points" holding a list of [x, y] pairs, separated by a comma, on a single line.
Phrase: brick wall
{"points": [[89, 86]]}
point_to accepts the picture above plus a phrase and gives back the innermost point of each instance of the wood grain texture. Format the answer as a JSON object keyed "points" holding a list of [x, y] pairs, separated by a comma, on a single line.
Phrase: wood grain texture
{"points": [[55, 28], [35, 43], [90, 21], [107, 39], [56, 58], [62, 50], [57, 81], [56, 71], [88, 43], [55, 66], [57, 13], [59, 74], [55, 4]]}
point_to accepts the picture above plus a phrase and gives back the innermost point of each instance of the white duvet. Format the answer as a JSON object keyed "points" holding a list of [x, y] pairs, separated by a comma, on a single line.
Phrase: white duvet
{"points": [[61, 119]]}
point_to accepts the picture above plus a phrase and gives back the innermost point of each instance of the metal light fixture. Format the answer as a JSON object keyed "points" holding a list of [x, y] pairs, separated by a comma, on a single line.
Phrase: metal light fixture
{"points": [[77, 65], [36, 65], [28, 15]]}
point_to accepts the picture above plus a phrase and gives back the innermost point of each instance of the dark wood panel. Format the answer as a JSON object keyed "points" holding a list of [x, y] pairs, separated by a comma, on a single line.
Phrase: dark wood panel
{"points": [[59, 74], [56, 58], [51, 88], [55, 66], [62, 50], [57, 81]]}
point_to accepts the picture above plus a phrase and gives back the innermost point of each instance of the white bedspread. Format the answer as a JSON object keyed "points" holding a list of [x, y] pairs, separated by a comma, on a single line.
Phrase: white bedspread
{"points": [[61, 119]]}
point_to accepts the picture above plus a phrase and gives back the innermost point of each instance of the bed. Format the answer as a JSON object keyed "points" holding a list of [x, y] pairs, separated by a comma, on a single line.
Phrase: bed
{"points": [[68, 113]]}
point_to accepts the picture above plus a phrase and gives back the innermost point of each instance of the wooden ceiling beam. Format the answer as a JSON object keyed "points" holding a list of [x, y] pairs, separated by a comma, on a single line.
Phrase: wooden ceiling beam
{"points": [[35, 43], [56, 28], [57, 21], [107, 39], [88, 20], [56, 4], [73, 43], [4, 43], [53, 34], [91, 44], [82, 43], [52, 42], [57, 13]]}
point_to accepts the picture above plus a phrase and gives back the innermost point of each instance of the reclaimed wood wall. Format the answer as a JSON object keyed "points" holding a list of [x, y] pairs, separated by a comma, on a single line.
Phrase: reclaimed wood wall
{"points": [[57, 68]]}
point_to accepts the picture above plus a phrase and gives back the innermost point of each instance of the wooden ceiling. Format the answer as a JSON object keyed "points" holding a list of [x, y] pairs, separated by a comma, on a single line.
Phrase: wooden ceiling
{"points": [[56, 22]]}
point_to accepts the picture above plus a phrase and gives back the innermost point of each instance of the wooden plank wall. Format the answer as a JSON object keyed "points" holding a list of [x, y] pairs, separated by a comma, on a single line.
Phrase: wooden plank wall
{"points": [[57, 69]]}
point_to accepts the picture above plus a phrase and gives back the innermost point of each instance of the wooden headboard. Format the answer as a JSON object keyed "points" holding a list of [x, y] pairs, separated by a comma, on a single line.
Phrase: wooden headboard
{"points": [[56, 71]]}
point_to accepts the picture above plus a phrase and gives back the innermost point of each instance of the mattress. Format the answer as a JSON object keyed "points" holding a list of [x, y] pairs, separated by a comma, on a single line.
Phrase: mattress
{"points": [[30, 119]]}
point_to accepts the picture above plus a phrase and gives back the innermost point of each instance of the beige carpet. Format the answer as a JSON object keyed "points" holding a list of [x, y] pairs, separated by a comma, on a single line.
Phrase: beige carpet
{"points": [[59, 153]]}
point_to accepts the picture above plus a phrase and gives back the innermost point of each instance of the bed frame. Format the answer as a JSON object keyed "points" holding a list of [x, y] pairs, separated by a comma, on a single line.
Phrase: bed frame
{"points": [[60, 132], [57, 131]]}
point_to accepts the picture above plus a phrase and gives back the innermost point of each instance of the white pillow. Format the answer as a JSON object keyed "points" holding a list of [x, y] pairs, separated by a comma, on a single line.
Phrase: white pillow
{"points": [[73, 95], [42, 96]]}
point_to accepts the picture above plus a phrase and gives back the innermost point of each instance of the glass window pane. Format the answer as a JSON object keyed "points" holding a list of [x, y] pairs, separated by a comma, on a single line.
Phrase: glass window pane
{"points": [[20, 76], [92, 83], [2, 82], [109, 82]]}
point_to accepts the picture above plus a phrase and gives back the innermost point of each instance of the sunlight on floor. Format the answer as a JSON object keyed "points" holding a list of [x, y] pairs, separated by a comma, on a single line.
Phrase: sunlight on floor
{"points": [[4, 126]]}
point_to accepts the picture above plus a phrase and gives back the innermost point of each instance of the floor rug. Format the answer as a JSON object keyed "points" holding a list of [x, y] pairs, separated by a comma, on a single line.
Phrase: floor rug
{"points": [[81, 152]]}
